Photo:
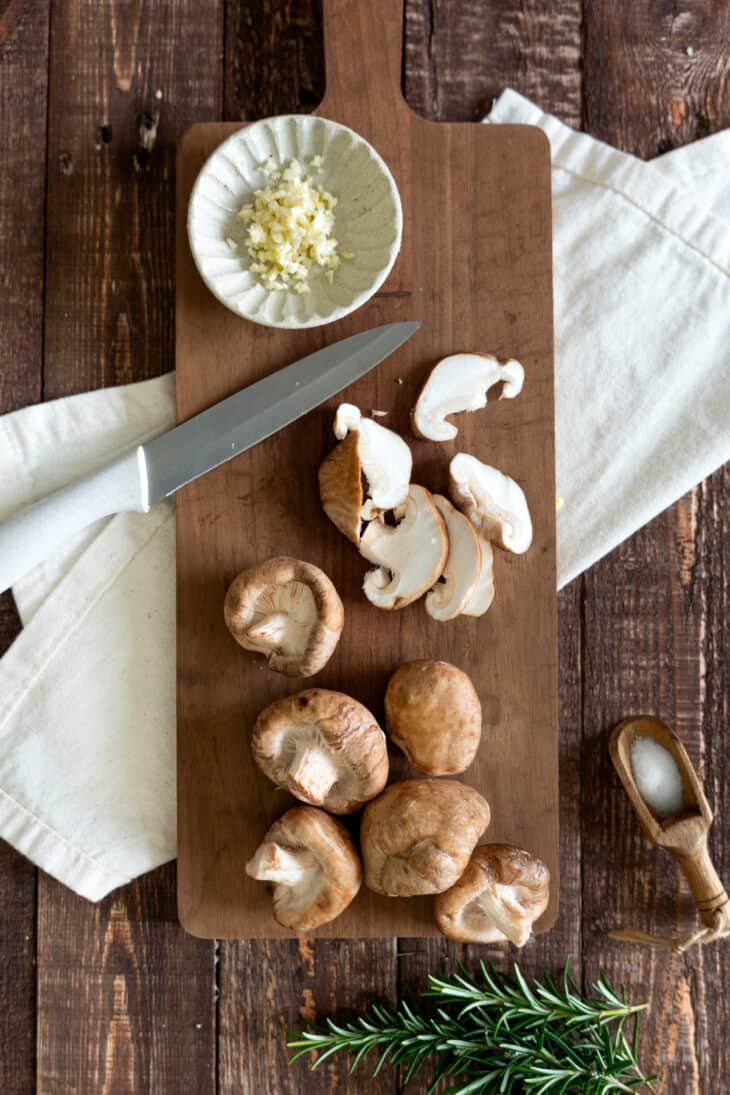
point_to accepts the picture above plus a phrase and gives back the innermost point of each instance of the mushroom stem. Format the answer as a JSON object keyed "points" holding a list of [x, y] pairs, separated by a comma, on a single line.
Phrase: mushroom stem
{"points": [[269, 629], [312, 773], [272, 863], [492, 907]]}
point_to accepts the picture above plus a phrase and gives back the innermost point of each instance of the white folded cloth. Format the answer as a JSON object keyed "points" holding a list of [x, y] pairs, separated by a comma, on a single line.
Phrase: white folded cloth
{"points": [[642, 318]]}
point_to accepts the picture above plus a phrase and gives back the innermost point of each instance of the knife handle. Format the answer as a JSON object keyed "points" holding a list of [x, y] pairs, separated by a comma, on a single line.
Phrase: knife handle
{"points": [[33, 533]]}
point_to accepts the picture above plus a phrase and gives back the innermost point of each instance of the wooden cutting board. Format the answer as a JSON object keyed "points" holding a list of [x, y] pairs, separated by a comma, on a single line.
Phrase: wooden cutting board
{"points": [[475, 268]]}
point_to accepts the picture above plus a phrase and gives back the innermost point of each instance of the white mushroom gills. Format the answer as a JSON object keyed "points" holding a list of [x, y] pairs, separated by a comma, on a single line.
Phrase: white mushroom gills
{"points": [[463, 565], [385, 458], [459, 383], [501, 910], [409, 556], [282, 619], [657, 777], [494, 503], [312, 772]]}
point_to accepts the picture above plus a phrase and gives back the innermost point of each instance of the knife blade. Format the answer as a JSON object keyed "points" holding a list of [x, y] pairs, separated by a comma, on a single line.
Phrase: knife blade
{"points": [[154, 471]]}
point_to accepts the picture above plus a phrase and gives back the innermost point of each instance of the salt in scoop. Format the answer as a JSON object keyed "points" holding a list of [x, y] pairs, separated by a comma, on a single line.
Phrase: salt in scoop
{"points": [[682, 831]]}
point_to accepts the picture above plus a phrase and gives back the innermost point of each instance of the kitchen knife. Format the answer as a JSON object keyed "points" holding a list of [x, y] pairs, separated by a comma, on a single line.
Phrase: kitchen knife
{"points": [[154, 471]]}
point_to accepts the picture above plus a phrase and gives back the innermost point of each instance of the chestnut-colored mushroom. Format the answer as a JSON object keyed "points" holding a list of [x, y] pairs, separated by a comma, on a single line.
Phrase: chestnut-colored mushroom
{"points": [[313, 865], [498, 898], [417, 837], [433, 713], [324, 747], [287, 610]]}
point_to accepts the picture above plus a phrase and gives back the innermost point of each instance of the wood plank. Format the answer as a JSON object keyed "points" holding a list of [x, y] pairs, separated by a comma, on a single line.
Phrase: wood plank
{"points": [[655, 633], [270, 987], [126, 1001], [655, 74], [460, 55], [23, 96], [499, 300]]}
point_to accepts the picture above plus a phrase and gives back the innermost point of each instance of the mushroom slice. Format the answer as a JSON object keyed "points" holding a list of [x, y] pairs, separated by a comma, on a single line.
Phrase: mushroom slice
{"points": [[417, 837], [287, 610], [500, 895], [460, 383], [366, 448], [482, 595], [313, 865], [494, 503], [323, 747], [433, 713], [462, 568], [409, 556]]}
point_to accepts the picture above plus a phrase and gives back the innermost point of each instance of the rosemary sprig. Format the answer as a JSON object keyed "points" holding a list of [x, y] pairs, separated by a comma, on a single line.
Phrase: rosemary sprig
{"points": [[497, 1035]]}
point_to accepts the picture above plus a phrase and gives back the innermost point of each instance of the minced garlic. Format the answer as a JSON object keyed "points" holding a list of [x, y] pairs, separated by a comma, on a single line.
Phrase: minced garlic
{"points": [[290, 225]]}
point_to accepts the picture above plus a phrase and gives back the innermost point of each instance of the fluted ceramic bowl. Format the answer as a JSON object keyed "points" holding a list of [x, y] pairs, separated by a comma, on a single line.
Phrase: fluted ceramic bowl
{"points": [[368, 219]]}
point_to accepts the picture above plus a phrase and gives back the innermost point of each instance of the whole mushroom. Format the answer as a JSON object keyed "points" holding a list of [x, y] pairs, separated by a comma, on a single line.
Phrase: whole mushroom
{"points": [[287, 610], [433, 713], [323, 747], [313, 865], [498, 898], [417, 837]]}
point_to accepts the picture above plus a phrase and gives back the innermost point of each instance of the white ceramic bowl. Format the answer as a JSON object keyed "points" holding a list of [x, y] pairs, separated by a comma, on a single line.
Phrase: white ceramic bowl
{"points": [[368, 219]]}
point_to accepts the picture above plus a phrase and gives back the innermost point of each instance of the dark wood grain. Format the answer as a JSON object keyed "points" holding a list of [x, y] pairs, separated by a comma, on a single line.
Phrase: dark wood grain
{"points": [[655, 72], [460, 56], [23, 97], [125, 999]]}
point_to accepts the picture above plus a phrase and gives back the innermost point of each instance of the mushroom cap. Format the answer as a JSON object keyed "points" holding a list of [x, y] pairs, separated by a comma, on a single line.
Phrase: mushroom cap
{"points": [[340, 487], [409, 556], [416, 838], [323, 747], [287, 610], [494, 503], [460, 383], [385, 458], [500, 895], [482, 595], [365, 448], [313, 864], [433, 713], [463, 566]]}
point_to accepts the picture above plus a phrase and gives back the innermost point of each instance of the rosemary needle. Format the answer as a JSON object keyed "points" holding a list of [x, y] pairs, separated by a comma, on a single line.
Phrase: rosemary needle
{"points": [[495, 1034]]}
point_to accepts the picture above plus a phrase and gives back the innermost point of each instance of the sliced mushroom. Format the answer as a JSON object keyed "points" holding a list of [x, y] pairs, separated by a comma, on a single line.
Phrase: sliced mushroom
{"points": [[494, 503], [288, 611], [369, 449], [498, 898], [323, 747], [409, 556], [417, 837], [433, 713], [460, 383], [463, 564], [313, 865], [482, 595]]}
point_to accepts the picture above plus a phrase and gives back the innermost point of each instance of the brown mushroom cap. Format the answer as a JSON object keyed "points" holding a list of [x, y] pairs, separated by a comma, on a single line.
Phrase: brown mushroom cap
{"points": [[312, 862], [416, 838], [340, 487], [433, 713], [323, 747], [500, 895], [287, 610]]}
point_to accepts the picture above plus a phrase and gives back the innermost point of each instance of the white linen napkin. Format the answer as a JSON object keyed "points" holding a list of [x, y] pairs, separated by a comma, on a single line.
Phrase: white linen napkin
{"points": [[642, 317]]}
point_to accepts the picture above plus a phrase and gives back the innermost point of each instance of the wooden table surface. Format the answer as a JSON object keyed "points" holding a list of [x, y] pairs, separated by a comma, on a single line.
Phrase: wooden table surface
{"points": [[94, 94]]}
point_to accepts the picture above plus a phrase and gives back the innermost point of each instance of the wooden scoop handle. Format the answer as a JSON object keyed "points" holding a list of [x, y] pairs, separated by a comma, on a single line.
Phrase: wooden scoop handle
{"points": [[707, 889]]}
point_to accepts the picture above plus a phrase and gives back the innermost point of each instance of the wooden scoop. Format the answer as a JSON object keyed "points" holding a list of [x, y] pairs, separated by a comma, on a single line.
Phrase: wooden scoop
{"points": [[683, 834]]}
